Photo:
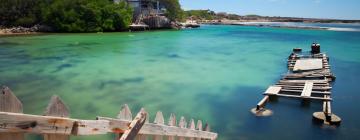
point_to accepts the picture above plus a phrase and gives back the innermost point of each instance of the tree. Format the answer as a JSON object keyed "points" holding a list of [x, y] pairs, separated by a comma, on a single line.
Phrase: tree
{"points": [[20, 12], [87, 15], [173, 9]]}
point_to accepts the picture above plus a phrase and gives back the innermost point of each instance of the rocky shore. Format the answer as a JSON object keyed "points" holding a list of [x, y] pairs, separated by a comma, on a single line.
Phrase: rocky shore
{"points": [[24, 30]]}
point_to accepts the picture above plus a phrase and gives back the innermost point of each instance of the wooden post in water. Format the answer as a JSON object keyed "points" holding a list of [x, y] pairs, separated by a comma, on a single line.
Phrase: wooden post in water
{"points": [[9, 103], [262, 103], [159, 119], [56, 108], [172, 122]]}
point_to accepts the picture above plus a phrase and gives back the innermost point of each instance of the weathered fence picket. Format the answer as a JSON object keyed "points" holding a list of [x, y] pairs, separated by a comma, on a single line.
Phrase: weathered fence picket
{"points": [[9, 103], [182, 124], [172, 122], [55, 124], [56, 108], [159, 119], [199, 127]]}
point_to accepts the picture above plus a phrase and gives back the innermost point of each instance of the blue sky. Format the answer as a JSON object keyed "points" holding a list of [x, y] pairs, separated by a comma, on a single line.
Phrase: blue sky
{"points": [[335, 9]]}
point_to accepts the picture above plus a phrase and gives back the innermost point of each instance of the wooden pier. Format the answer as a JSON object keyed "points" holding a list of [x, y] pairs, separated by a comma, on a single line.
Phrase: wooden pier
{"points": [[55, 123], [309, 78]]}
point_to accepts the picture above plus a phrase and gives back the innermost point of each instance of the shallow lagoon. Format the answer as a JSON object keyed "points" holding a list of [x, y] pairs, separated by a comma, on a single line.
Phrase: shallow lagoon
{"points": [[215, 73]]}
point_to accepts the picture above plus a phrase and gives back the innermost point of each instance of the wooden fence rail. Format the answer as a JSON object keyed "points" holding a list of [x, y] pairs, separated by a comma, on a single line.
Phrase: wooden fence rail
{"points": [[55, 124]]}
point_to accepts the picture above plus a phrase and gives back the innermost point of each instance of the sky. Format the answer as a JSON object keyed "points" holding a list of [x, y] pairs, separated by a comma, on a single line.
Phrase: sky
{"points": [[331, 9]]}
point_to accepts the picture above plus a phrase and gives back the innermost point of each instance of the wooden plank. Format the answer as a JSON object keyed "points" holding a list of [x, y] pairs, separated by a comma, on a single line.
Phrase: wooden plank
{"points": [[199, 127], [125, 113], [314, 88], [192, 127], [56, 108], [172, 122], [307, 89], [182, 124], [303, 81], [135, 126], [9, 103], [262, 103], [312, 92], [295, 96], [91, 127], [273, 90], [308, 64], [119, 126], [159, 119], [207, 128], [300, 87], [144, 136], [301, 84], [16, 122]]}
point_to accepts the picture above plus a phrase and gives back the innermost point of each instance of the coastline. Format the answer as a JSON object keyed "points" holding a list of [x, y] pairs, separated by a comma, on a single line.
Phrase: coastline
{"points": [[37, 29], [272, 24], [13, 31]]}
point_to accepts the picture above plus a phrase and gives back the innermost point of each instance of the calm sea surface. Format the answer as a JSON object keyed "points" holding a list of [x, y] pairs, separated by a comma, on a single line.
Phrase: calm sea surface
{"points": [[215, 73]]}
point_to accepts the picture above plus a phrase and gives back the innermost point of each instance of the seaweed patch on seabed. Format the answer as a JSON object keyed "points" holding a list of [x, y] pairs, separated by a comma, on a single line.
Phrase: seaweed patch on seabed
{"points": [[56, 58], [120, 82], [2, 42], [61, 67], [173, 55]]}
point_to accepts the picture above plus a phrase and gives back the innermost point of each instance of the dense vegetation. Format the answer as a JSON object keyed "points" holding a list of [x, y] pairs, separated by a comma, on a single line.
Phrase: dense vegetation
{"points": [[66, 15], [209, 15], [200, 14], [173, 9], [20, 12]]}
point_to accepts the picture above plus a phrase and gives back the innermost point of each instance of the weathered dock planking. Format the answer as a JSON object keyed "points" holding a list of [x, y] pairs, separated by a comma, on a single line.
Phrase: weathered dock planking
{"points": [[55, 124], [308, 64], [309, 78]]}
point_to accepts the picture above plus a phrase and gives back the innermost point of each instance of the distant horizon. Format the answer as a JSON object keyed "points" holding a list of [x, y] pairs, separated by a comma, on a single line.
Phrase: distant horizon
{"points": [[315, 9]]}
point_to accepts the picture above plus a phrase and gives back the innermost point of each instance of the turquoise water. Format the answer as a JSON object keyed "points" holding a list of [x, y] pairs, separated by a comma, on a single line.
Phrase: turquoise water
{"points": [[215, 73], [349, 27]]}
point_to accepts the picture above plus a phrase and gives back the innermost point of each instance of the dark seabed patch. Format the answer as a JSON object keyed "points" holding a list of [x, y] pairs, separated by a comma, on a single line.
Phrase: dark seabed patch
{"points": [[55, 58], [120, 82], [62, 67], [151, 60], [8, 43], [173, 55]]}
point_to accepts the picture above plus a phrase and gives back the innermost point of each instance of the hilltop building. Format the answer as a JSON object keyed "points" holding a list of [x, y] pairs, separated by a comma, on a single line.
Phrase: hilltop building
{"points": [[148, 14], [144, 8]]}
